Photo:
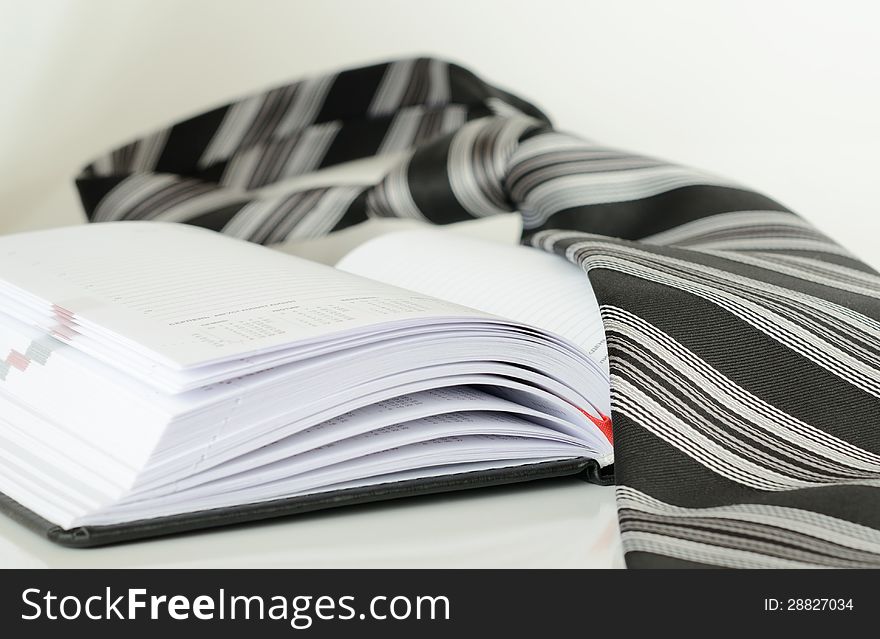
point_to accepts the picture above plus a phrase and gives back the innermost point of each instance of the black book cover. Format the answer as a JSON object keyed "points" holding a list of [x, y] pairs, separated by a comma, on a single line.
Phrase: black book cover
{"points": [[91, 536]]}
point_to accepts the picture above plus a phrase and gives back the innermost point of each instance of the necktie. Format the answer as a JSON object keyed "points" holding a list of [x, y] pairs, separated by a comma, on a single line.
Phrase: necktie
{"points": [[744, 352]]}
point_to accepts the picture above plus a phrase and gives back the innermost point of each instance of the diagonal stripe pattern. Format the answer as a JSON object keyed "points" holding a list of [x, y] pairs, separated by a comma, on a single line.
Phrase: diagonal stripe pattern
{"points": [[744, 344]]}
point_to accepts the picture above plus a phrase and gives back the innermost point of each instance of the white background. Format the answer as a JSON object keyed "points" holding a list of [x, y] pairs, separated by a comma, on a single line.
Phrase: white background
{"points": [[782, 96]]}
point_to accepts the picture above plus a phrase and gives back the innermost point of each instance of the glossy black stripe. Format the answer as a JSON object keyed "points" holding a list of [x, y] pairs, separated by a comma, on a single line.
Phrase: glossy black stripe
{"points": [[430, 188], [640, 559], [355, 214], [275, 106], [187, 142], [635, 219], [357, 139], [94, 189], [465, 87], [217, 219], [352, 93]]}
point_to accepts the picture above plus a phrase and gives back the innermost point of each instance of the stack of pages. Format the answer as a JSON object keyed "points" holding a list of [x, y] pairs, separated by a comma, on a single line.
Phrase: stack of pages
{"points": [[152, 370]]}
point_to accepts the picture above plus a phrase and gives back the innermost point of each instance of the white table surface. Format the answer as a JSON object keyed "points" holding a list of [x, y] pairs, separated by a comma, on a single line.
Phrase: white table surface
{"points": [[562, 523]]}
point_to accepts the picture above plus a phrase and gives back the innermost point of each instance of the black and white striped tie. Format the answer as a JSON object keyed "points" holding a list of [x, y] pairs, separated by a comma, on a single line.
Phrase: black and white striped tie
{"points": [[744, 350]]}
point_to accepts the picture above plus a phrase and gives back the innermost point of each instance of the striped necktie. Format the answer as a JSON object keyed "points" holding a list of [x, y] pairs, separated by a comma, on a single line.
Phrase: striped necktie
{"points": [[744, 353]]}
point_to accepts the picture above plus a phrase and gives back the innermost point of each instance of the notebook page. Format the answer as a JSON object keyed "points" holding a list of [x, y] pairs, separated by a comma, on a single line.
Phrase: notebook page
{"points": [[517, 282], [329, 249], [188, 297], [421, 405]]}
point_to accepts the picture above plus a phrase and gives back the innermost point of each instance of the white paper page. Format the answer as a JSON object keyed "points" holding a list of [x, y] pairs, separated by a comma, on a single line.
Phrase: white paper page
{"points": [[467, 427], [516, 282], [422, 455], [425, 455], [188, 296], [81, 397], [444, 425], [240, 437], [404, 408], [505, 228]]}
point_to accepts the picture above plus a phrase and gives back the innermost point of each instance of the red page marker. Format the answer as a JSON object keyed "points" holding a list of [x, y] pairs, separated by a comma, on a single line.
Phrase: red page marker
{"points": [[603, 424]]}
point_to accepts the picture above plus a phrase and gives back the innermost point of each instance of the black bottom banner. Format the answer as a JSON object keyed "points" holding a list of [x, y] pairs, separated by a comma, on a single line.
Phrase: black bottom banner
{"points": [[423, 603]]}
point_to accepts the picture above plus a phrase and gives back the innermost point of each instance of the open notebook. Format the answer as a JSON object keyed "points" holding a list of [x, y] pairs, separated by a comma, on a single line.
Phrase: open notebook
{"points": [[156, 378]]}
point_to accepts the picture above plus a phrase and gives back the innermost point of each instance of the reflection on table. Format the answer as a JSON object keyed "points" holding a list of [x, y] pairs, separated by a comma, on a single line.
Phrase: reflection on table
{"points": [[563, 523]]}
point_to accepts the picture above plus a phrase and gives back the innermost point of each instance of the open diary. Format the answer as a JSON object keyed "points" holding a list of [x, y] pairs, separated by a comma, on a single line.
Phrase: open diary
{"points": [[157, 378]]}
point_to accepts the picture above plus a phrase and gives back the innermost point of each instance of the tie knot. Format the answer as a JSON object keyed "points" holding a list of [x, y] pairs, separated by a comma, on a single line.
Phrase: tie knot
{"points": [[460, 175]]}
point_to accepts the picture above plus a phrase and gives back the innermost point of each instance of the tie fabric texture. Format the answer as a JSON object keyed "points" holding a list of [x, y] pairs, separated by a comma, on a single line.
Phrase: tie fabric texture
{"points": [[744, 350]]}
